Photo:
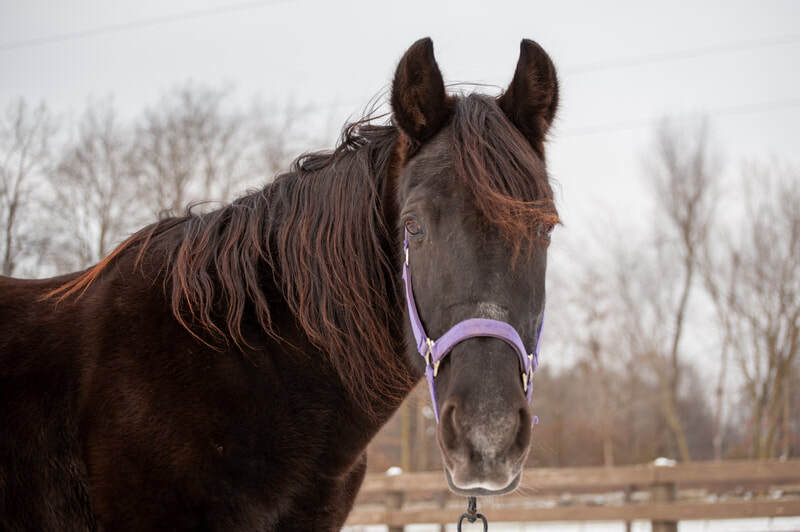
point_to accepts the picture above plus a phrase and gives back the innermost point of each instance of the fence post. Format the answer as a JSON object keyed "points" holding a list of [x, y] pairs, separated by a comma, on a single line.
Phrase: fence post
{"points": [[441, 500], [394, 501], [628, 492], [663, 492]]}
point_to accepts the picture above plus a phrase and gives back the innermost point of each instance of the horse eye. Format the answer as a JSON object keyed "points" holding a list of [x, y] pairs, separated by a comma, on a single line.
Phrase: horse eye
{"points": [[413, 227]]}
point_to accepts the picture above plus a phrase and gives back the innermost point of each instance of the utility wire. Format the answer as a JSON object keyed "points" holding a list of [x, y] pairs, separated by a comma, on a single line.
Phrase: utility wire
{"points": [[136, 24], [624, 125], [690, 53], [648, 122], [577, 70]]}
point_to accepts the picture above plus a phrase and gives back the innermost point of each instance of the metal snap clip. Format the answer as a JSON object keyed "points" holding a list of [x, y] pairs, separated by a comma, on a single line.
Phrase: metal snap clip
{"points": [[472, 515]]}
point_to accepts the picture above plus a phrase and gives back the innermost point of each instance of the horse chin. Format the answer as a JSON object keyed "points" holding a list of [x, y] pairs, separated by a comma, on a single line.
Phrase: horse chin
{"points": [[480, 491]]}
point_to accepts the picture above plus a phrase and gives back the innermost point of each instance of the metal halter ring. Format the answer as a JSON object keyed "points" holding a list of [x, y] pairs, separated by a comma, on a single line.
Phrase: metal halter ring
{"points": [[472, 515]]}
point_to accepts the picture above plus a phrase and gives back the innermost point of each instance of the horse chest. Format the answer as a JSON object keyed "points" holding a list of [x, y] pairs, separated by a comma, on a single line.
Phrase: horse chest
{"points": [[220, 443]]}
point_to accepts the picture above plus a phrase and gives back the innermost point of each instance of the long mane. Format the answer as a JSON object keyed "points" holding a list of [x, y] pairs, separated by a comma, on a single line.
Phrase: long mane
{"points": [[507, 180], [319, 233]]}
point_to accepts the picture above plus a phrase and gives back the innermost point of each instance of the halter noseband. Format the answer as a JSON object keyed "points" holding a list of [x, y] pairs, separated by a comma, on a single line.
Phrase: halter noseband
{"points": [[434, 351]]}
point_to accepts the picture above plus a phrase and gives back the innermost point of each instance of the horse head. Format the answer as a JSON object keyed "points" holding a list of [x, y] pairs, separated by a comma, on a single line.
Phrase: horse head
{"points": [[475, 212]]}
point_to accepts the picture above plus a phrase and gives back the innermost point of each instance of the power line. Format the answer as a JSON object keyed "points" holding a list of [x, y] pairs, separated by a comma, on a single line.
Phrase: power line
{"points": [[577, 70], [690, 53], [136, 24], [623, 125], [716, 49], [649, 122]]}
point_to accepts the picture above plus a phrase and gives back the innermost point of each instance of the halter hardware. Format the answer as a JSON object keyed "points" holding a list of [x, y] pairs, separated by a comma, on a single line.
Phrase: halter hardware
{"points": [[528, 376], [472, 515], [429, 353]]}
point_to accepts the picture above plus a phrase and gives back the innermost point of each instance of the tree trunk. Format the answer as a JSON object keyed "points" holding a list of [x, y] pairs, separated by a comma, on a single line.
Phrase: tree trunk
{"points": [[774, 410], [719, 403], [421, 440], [8, 257], [786, 423], [674, 423], [670, 403], [405, 437]]}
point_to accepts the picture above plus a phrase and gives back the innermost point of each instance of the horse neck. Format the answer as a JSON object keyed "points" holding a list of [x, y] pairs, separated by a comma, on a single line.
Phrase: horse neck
{"points": [[329, 296]]}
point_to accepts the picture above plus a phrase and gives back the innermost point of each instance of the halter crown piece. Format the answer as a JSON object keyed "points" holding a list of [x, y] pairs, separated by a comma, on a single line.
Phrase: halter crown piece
{"points": [[434, 351]]}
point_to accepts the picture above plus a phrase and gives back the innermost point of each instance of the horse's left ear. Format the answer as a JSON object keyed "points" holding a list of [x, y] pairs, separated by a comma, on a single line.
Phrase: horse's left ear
{"points": [[419, 101], [531, 99]]}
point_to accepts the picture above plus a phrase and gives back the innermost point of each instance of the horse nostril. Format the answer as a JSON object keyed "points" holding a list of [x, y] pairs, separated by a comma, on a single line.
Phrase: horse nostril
{"points": [[449, 427]]}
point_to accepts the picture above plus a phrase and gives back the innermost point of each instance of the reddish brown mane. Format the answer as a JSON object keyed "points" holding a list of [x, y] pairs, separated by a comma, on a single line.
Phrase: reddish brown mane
{"points": [[320, 233], [507, 179]]}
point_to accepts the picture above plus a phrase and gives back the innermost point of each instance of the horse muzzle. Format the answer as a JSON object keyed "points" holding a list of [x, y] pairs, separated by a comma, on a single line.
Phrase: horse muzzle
{"points": [[483, 449]]}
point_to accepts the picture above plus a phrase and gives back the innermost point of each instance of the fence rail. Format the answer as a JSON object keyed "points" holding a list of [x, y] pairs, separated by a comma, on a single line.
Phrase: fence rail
{"points": [[663, 495]]}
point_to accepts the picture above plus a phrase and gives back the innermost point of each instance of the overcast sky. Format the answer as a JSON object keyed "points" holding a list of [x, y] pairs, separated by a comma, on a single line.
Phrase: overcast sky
{"points": [[738, 63]]}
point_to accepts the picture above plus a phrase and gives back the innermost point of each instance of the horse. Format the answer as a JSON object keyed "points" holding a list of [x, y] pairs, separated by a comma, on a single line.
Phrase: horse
{"points": [[225, 370]]}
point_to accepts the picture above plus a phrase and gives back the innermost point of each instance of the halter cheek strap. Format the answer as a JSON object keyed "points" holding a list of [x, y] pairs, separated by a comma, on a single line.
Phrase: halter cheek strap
{"points": [[434, 351]]}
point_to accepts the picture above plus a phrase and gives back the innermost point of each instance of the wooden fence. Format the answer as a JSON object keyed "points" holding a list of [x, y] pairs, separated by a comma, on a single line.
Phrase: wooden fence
{"points": [[663, 495]]}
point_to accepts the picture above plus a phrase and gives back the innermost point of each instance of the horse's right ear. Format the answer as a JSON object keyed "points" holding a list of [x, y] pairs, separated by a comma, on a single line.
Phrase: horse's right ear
{"points": [[419, 102], [532, 97]]}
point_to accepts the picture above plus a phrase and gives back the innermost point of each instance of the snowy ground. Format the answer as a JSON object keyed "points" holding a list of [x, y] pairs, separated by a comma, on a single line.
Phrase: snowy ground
{"points": [[782, 524]]}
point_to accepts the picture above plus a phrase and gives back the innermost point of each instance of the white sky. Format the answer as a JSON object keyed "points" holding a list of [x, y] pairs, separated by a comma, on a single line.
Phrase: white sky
{"points": [[336, 55], [342, 53]]}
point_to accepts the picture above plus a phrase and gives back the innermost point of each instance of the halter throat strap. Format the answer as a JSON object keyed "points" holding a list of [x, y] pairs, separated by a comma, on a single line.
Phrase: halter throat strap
{"points": [[434, 351]]}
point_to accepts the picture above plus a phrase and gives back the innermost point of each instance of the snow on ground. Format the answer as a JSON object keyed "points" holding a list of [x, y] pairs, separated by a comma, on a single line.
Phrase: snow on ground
{"points": [[777, 524]]}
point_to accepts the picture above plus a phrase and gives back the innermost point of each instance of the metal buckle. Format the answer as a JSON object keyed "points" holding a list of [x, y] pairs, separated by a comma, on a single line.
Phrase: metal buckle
{"points": [[527, 377], [430, 343], [429, 357]]}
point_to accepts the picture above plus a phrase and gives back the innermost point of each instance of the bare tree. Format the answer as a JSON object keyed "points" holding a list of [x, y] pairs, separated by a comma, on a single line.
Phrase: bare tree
{"points": [[593, 304], [277, 137], [683, 176], [191, 147], [721, 289], [791, 423], [757, 282], [643, 280], [96, 194], [25, 137]]}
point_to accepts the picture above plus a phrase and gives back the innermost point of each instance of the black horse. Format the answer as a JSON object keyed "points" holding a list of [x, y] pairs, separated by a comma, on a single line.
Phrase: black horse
{"points": [[226, 370]]}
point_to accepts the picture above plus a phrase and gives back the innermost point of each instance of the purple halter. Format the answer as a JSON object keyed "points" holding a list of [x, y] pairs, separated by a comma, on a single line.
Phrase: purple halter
{"points": [[434, 351]]}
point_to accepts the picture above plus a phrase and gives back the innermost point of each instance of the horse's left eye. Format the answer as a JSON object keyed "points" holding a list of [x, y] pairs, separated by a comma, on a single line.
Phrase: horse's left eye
{"points": [[413, 227]]}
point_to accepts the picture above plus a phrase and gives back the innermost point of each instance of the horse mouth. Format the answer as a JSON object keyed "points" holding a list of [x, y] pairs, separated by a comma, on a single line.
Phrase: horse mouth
{"points": [[481, 491]]}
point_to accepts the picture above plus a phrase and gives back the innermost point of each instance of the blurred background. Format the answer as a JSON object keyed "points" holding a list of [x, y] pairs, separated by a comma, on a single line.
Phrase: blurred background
{"points": [[674, 283]]}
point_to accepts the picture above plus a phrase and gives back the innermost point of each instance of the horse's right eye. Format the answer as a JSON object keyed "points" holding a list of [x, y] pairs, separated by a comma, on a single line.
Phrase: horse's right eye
{"points": [[413, 227]]}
